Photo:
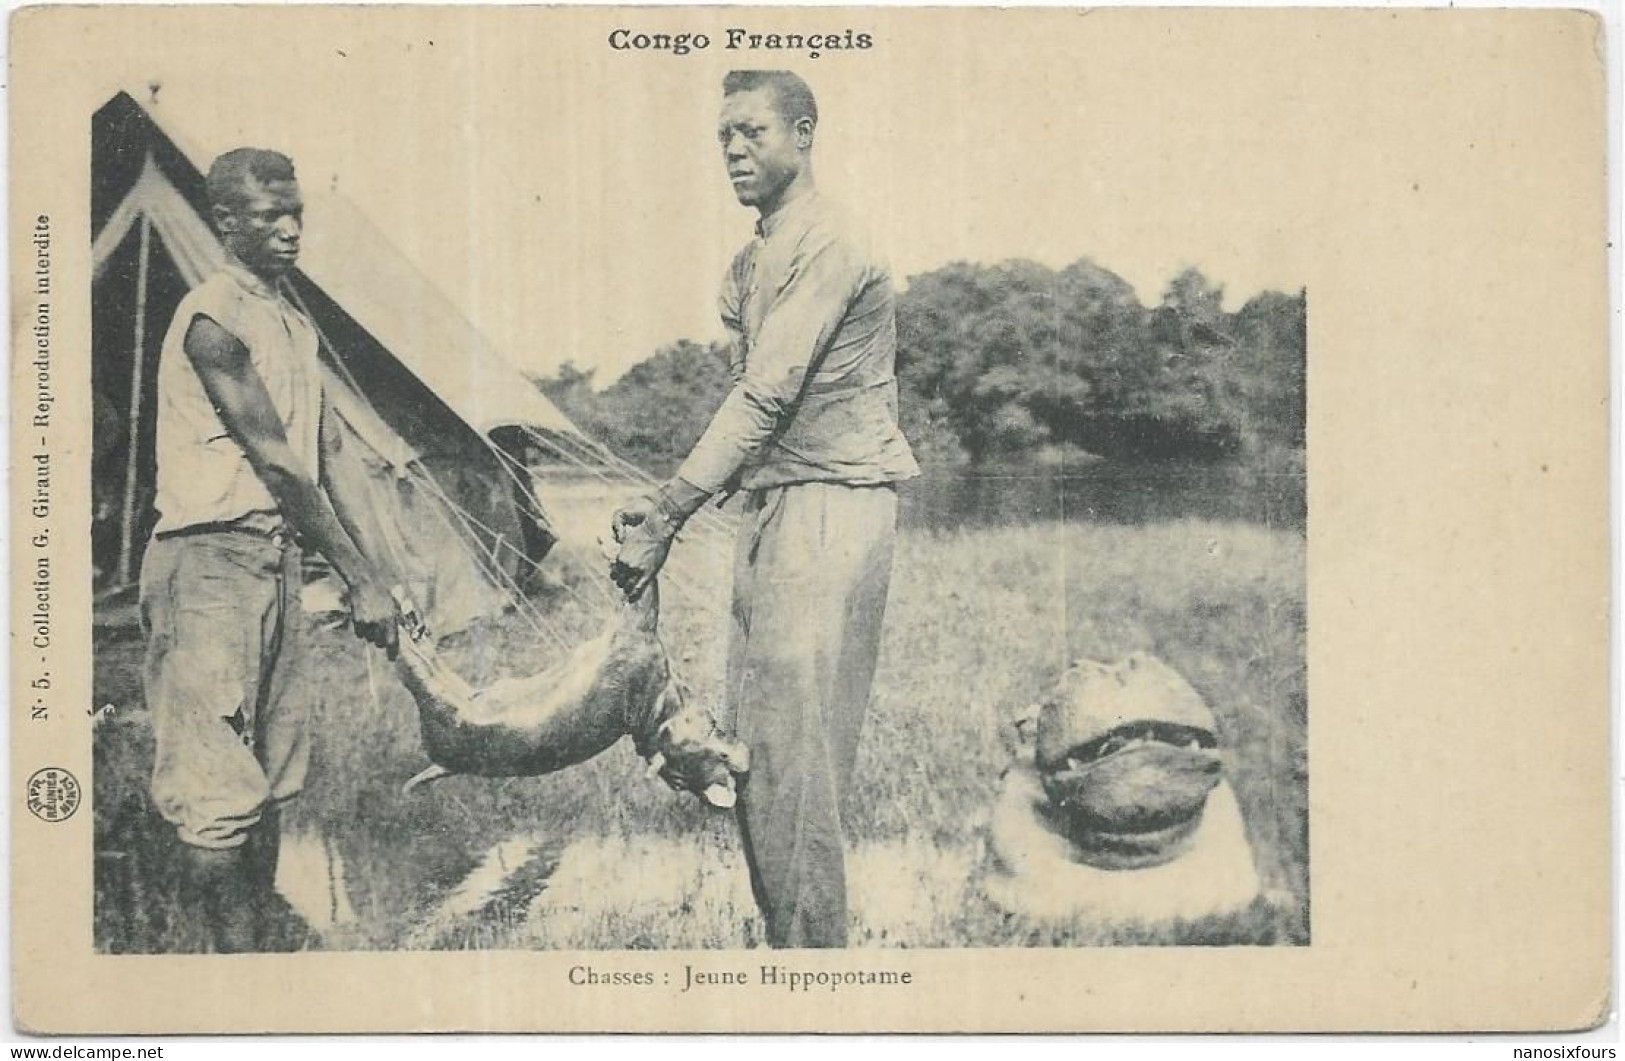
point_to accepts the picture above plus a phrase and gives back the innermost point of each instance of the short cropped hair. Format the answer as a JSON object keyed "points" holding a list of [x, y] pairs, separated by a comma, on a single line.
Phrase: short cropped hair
{"points": [[791, 95], [230, 173]]}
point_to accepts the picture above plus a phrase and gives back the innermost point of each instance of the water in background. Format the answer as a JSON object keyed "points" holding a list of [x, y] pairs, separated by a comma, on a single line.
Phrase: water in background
{"points": [[1104, 492], [1101, 492]]}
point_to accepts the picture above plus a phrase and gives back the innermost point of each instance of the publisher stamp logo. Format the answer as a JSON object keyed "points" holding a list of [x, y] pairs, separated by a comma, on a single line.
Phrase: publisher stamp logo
{"points": [[53, 794]]}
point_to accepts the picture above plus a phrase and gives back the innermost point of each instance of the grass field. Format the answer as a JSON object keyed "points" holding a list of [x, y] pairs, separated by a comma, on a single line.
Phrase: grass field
{"points": [[981, 623]]}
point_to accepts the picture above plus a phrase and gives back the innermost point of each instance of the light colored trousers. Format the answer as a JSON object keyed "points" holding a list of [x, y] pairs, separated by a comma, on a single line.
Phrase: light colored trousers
{"points": [[221, 612], [811, 574]]}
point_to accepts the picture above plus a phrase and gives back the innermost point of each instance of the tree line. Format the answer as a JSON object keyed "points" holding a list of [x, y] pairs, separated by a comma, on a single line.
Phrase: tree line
{"points": [[1017, 364]]}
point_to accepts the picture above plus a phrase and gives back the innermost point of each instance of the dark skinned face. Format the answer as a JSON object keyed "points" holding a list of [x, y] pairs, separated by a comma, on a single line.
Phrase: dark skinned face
{"points": [[263, 227], [763, 153]]}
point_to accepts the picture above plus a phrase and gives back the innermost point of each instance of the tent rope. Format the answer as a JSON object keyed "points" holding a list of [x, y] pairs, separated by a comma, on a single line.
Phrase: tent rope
{"points": [[521, 603], [598, 451], [472, 520], [505, 461], [685, 589], [493, 571]]}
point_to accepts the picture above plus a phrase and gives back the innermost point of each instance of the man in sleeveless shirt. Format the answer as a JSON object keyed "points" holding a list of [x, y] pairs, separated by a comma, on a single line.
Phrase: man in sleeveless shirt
{"points": [[809, 433], [240, 444]]}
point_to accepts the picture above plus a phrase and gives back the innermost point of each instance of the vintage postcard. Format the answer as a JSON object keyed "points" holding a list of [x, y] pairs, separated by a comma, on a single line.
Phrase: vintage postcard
{"points": [[845, 519]]}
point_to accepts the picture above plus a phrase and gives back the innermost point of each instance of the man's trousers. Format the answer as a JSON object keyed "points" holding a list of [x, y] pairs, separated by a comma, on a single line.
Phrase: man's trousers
{"points": [[221, 611], [811, 574]]}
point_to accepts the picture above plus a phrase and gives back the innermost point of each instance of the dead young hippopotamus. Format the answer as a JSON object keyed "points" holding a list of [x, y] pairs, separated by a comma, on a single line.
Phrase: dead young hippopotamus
{"points": [[1127, 755], [615, 685], [1115, 808]]}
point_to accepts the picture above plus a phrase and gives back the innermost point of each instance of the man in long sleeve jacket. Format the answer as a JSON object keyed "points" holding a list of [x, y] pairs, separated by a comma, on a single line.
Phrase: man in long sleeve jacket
{"points": [[809, 433]]}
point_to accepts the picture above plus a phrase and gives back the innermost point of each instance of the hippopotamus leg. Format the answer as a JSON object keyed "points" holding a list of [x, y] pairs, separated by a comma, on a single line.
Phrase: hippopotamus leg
{"points": [[433, 772]]}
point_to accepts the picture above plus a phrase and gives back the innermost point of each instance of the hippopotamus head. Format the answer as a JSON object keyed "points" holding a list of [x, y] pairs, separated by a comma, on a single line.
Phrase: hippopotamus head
{"points": [[691, 754], [1127, 754]]}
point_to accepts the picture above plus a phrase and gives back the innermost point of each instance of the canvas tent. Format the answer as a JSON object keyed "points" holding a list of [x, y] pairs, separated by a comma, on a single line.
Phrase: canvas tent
{"points": [[434, 420]]}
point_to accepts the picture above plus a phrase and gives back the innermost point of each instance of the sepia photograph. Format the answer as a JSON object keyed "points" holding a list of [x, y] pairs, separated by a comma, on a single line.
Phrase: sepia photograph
{"points": [[822, 494], [952, 558]]}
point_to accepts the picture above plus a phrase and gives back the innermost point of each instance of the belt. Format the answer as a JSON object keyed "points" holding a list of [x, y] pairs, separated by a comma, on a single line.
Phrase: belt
{"points": [[278, 536]]}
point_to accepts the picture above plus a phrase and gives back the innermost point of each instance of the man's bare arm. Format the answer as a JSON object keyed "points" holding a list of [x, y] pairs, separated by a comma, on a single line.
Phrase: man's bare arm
{"points": [[244, 406]]}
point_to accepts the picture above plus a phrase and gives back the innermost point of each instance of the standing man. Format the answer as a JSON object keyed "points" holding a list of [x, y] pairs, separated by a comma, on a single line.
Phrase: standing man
{"points": [[239, 450], [810, 433]]}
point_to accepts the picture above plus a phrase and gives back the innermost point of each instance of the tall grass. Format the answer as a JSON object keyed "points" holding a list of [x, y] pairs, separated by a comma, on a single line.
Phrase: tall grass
{"points": [[981, 623]]}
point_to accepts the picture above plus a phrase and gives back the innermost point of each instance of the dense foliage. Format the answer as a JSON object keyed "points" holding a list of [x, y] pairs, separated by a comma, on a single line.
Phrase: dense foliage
{"points": [[1018, 364]]}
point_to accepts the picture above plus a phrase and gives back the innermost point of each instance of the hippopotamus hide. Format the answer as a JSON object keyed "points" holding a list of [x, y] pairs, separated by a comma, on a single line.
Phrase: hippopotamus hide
{"points": [[1148, 777], [618, 684], [1038, 869], [1115, 807], [1127, 755]]}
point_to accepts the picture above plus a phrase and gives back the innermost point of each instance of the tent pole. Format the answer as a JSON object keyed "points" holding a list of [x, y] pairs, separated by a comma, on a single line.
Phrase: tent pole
{"points": [[126, 545]]}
